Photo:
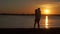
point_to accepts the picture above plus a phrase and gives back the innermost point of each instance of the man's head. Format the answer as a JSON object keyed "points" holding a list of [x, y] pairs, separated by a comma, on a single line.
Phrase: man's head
{"points": [[38, 8]]}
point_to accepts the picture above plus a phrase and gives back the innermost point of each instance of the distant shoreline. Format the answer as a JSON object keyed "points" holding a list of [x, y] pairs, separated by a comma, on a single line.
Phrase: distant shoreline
{"points": [[32, 14]]}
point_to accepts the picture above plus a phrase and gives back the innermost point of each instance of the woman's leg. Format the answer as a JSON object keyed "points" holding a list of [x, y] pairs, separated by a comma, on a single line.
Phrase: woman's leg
{"points": [[38, 25]]}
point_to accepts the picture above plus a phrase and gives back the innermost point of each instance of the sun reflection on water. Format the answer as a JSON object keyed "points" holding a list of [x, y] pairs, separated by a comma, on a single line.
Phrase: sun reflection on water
{"points": [[46, 22]]}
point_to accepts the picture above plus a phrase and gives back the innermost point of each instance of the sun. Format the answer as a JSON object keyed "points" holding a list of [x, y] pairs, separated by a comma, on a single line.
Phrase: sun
{"points": [[46, 11]]}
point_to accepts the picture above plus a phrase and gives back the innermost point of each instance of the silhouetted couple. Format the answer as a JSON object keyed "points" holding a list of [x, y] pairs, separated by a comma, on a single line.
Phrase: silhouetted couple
{"points": [[37, 17]]}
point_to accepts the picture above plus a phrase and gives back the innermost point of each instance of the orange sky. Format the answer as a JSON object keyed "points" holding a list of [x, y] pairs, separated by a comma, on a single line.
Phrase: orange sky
{"points": [[29, 6]]}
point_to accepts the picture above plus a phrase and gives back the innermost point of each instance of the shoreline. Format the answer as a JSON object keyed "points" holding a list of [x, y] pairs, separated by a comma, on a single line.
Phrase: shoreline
{"points": [[28, 15]]}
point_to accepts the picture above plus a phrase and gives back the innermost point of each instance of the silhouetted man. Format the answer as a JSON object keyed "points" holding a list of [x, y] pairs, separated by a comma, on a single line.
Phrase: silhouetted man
{"points": [[37, 17]]}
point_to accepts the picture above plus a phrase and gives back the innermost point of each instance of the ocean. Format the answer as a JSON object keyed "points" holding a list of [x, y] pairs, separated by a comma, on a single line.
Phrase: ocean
{"points": [[15, 21]]}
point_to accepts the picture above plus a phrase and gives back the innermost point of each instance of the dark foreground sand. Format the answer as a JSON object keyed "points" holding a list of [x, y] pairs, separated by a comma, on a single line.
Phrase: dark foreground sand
{"points": [[29, 31]]}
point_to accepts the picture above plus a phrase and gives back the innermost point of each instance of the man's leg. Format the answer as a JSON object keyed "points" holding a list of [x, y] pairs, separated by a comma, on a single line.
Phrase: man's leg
{"points": [[35, 24]]}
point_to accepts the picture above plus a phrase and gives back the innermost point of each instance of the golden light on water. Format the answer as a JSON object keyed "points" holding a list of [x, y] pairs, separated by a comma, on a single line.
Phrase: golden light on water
{"points": [[46, 22]]}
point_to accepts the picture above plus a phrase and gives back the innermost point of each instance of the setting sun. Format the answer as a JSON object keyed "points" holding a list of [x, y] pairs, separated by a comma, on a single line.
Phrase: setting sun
{"points": [[46, 8], [46, 11]]}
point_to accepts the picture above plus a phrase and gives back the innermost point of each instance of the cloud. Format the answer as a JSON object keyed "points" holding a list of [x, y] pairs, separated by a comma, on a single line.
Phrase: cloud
{"points": [[56, 0], [51, 0]]}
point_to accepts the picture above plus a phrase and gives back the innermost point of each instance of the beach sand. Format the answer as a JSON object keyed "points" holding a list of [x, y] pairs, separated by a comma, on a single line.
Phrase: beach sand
{"points": [[29, 31]]}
